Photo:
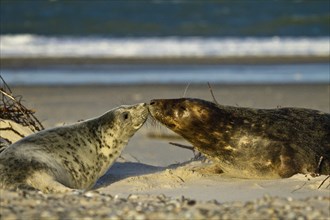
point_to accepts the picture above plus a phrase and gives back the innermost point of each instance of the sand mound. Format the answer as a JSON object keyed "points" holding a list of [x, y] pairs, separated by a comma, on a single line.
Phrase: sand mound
{"points": [[12, 132]]}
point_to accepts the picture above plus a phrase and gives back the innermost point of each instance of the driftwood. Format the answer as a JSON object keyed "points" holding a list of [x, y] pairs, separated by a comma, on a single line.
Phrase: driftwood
{"points": [[11, 108], [12, 111]]}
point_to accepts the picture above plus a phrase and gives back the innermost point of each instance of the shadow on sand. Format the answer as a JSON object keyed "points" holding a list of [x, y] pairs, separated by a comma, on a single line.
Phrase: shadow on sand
{"points": [[122, 170]]}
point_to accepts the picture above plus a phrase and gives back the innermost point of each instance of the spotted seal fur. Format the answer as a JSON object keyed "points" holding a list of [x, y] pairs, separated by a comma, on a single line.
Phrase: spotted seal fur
{"points": [[70, 157], [248, 142]]}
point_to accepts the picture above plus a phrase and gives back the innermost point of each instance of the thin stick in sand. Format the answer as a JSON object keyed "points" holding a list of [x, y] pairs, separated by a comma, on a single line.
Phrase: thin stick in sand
{"points": [[185, 90], [214, 99]]}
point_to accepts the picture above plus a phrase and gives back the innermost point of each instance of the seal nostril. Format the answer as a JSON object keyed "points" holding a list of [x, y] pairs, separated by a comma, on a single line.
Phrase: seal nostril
{"points": [[125, 115]]}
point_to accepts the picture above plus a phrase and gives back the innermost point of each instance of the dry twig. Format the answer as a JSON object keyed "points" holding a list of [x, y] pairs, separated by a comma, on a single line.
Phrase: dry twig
{"points": [[12, 109], [185, 90], [214, 99], [197, 154], [324, 182], [182, 146], [318, 169]]}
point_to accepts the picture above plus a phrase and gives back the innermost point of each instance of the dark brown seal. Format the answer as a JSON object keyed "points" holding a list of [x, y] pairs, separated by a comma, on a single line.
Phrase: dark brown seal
{"points": [[251, 143]]}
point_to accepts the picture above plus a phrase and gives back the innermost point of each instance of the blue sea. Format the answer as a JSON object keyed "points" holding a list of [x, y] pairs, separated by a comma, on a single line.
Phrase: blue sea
{"points": [[165, 29], [164, 74]]}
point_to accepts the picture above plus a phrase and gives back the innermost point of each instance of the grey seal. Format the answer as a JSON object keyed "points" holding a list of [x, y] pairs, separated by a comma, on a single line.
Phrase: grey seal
{"points": [[248, 142], [71, 157]]}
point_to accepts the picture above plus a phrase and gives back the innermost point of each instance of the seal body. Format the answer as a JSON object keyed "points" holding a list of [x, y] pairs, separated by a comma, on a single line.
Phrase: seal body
{"points": [[70, 157], [251, 143]]}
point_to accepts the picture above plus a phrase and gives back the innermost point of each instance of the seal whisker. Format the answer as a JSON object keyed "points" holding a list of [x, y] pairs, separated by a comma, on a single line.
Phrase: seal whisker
{"points": [[152, 121]]}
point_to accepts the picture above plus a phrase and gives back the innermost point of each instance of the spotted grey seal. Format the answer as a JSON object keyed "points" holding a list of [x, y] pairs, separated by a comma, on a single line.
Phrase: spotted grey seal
{"points": [[248, 142], [70, 157]]}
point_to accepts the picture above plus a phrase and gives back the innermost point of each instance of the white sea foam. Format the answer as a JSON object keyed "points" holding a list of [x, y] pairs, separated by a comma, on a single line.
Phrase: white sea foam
{"points": [[26, 45]]}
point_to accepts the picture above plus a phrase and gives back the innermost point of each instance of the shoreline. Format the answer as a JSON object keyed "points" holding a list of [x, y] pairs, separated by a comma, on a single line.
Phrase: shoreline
{"points": [[164, 85], [26, 62]]}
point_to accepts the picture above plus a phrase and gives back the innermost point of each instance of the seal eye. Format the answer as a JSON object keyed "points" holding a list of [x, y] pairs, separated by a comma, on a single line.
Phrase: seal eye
{"points": [[183, 108], [125, 115]]}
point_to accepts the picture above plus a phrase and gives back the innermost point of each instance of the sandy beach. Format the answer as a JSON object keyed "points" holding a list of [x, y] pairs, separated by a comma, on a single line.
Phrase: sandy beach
{"points": [[155, 180]]}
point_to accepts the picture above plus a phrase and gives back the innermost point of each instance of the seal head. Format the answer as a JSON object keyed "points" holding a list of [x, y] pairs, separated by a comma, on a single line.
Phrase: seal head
{"points": [[251, 143], [70, 157]]}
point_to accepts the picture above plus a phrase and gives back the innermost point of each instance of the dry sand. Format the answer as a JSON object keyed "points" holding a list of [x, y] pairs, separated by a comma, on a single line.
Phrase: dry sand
{"points": [[162, 179]]}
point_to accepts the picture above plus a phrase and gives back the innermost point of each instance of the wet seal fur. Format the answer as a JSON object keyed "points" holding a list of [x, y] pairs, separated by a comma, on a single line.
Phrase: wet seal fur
{"points": [[251, 143], [70, 157]]}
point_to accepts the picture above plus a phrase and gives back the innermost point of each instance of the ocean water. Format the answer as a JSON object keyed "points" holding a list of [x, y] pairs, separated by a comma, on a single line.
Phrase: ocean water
{"points": [[165, 29], [163, 74], [155, 18]]}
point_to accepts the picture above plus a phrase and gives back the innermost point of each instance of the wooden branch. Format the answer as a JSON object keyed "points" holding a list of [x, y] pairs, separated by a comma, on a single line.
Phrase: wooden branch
{"points": [[182, 146], [11, 108], [323, 181], [318, 169], [6, 85]]}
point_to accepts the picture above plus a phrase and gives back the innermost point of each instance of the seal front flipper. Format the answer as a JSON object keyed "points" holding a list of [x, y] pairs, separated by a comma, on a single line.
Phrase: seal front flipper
{"points": [[14, 177], [46, 183], [288, 163]]}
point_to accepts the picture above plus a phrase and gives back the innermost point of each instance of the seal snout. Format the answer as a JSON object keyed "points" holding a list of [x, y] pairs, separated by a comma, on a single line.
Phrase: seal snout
{"points": [[139, 114], [161, 104]]}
